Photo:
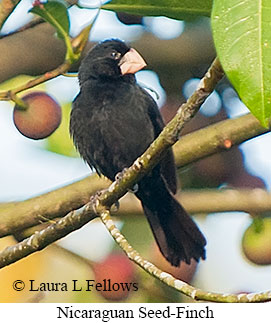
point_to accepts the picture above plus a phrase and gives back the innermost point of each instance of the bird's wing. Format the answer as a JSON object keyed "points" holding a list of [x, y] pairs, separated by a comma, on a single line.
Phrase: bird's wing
{"points": [[168, 169], [78, 131]]}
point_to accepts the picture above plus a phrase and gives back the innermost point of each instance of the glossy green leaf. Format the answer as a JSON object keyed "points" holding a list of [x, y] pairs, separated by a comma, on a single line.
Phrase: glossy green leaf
{"points": [[54, 12], [242, 36], [176, 9]]}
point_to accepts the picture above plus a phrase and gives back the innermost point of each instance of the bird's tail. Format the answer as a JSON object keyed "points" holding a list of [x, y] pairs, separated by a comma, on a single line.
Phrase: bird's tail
{"points": [[176, 234]]}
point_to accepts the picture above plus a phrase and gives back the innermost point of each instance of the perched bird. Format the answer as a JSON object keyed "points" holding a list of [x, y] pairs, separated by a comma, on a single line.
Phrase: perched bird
{"points": [[113, 121]]}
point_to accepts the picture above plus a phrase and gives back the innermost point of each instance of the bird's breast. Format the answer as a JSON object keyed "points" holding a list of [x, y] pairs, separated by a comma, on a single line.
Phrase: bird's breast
{"points": [[115, 127]]}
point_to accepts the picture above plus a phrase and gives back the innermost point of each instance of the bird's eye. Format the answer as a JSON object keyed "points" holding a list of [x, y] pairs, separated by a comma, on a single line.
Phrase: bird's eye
{"points": [[115, 55]]}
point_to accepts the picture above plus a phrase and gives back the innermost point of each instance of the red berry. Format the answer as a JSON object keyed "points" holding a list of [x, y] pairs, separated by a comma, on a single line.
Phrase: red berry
{"points": [[42, 117], [116, 274]]}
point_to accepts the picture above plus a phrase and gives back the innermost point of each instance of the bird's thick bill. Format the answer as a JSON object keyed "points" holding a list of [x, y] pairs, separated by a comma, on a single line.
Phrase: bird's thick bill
{"points": [[131, 62]]}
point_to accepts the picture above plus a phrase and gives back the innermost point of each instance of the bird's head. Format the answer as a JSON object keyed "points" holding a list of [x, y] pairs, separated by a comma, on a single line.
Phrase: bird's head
{"points": [[110, 59]]}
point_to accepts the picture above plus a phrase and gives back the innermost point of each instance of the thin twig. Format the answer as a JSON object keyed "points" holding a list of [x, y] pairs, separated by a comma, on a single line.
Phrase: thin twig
{"points": [[17, 216], [117, 189], [5, 11], [63, 68], [41, 239], [100, 205], [179, 285], [6, 8]]}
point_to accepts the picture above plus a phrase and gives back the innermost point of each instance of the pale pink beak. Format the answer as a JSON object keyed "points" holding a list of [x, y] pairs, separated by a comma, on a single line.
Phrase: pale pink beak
{"points": [[131, 62]]}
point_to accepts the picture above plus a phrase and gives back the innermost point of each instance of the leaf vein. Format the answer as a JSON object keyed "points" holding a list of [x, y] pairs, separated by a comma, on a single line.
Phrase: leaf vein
{"points": [[240, 37]]}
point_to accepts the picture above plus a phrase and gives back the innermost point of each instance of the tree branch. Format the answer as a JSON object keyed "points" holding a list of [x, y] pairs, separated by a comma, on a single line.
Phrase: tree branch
{"points": [[6, 8], [143, 164], [41, 239], [36, 50], [48, 206], [215, 138], [74, 49], [252, 201], [179, 285], [100, 204], [190, 148], [61, 69]]}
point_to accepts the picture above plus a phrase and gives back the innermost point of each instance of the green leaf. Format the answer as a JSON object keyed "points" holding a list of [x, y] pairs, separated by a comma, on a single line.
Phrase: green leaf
{"points": [[60, 142], [176, 9], [54, 12], [242, 36]]}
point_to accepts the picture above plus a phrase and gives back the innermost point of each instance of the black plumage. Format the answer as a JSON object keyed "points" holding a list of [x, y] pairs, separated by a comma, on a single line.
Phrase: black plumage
{"points": [[113, 121]]}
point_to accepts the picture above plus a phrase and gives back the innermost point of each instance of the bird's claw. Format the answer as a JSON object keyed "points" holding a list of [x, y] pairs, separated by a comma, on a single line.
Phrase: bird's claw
{"points": [[119, 175], [96, 195], [93, 199], [134, 189], [115, 207]]}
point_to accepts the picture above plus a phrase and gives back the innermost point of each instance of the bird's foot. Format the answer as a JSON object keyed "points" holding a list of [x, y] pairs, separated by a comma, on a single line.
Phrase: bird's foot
{"points": [[95, 197], [119, 175], [115, 207], [134, 189]]}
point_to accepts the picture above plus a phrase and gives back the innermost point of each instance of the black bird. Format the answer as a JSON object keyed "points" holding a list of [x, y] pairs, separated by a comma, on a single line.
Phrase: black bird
{"points": [[113, 121]]}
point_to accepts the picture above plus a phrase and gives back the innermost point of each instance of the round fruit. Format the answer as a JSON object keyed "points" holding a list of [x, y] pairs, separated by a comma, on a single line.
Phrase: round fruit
{"points": [[42, 117], [256, 242], [115, 276]]}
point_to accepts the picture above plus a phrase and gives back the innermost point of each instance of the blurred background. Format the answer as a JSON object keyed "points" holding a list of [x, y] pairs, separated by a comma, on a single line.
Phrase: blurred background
{"points": [[178, 53]]}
